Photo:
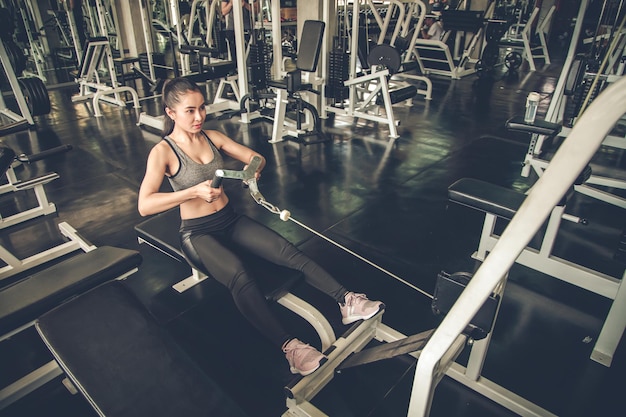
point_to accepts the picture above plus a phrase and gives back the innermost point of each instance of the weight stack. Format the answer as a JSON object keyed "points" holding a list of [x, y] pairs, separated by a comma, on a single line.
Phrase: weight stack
{"points": [[259, 64], [158, 60], [572, 107], [339, 71]]}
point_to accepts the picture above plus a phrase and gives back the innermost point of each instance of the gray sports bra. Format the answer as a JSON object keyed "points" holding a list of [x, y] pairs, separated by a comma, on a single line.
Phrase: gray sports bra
{"points": [[189, 171]]}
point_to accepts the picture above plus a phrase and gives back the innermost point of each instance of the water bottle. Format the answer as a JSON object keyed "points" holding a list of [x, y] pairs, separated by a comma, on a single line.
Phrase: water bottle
{"points": [[532, 103]]}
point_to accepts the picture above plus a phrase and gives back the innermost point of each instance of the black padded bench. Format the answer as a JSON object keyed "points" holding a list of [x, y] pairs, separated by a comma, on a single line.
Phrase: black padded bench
{"points": [[490, 198], [124, 363], [24, 301], [161, 232]]}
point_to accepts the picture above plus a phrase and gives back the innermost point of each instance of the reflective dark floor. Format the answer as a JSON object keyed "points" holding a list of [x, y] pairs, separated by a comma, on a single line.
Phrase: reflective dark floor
{"points": [[385, 200]]}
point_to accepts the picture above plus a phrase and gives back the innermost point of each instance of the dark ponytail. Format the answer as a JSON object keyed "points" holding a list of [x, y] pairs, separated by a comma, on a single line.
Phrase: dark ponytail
{"points": [[173, 89]]}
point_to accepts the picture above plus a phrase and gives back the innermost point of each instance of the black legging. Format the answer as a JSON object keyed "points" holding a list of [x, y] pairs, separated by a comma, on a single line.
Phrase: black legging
{"points": [[208, 244]]}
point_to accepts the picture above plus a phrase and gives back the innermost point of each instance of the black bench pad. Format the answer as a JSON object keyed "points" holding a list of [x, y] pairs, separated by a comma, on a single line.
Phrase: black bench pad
{"points": [[27, 299], [161, 232], [124, 363], [491, 198], [540, 127]]}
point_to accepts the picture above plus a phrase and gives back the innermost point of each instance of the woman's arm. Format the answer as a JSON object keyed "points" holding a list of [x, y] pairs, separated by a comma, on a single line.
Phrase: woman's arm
{"points": [[152, 201], [227, 6], [235, 150]]}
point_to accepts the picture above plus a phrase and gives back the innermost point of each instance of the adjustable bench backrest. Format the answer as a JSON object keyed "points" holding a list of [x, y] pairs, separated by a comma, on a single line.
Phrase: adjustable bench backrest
{"points": [[124, 363], [310, 45]]}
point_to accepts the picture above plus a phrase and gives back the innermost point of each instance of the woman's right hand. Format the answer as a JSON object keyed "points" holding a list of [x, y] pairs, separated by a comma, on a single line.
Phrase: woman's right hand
{"points": [[206, 192]]}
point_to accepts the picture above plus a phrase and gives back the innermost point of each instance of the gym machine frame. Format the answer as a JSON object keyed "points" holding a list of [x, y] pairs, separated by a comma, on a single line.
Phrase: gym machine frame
{"points": [[364, 89], [90, 84], [555, 112], [25, 116], [524, 42], [238, 82], [571, 158]]}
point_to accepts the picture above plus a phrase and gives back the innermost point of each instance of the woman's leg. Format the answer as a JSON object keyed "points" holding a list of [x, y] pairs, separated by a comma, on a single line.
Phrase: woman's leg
{"points": [[270, 245], [226, 267]]}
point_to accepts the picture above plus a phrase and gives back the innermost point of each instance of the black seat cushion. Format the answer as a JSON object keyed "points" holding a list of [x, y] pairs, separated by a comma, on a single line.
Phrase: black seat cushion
{"points": [[124, 363], [491, 198]]}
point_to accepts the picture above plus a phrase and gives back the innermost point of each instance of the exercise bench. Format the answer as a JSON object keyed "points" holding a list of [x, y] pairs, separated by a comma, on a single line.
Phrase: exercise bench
{"points": [[500, 202], [125, 364], [22, 302]]}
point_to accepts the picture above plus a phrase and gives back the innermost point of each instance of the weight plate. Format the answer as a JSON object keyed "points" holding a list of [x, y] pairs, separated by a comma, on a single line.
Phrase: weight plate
{"points": [[513, 60]]}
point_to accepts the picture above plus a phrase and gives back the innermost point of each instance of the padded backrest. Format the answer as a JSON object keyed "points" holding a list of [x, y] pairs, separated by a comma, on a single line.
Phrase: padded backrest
{"points": [[124, 363], [310, 45]]}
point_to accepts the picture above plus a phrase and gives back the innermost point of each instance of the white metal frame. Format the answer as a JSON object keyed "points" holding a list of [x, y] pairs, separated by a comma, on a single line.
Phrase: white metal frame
{"points": [[554, 114], [44, 207], [15, 265], [544, 261], [455, 70], [17, 92], [363, 89], [542, 28], [573, 155], [92, 87]]}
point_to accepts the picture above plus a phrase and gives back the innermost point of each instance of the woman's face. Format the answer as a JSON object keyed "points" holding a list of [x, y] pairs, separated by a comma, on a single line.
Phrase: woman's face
{"points": [[189, 113]]}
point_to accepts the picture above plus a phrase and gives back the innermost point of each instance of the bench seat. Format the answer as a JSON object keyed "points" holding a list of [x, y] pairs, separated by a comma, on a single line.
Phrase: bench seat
{"points": [[27, 299], [490, 198], [124, 363]]}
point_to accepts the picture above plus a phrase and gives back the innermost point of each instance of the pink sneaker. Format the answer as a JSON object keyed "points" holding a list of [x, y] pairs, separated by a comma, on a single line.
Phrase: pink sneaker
{"points": [[303, 359], [358, 307]]}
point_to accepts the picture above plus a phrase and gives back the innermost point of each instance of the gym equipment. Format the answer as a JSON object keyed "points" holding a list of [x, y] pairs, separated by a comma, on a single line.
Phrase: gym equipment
{"points": [[524, 42], [158, 380], [23, 302], [368, 88], [92, 87], [290, 90], [30, 92], [8, 159], [434, 55], [209, 68], [36, 41], [575, 83], [572, 157], [343, 353], [499, 202], [490, 58], [14, 265]]}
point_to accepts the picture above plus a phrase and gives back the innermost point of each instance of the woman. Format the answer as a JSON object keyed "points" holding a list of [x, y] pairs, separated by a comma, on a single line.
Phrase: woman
{"points": [[210, 228]]}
